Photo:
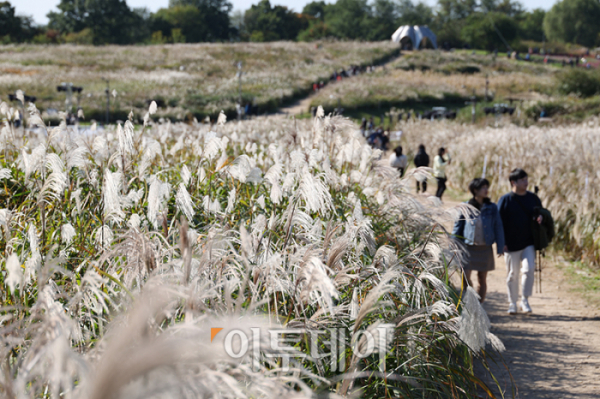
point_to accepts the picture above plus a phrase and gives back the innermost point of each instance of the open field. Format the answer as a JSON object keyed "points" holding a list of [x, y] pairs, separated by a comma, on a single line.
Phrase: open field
{"points": [[196, 79]]}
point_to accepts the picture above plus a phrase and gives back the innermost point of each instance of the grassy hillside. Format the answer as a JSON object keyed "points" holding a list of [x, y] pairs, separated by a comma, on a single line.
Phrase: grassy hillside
{"points": [[419, 80], [190, 79]]}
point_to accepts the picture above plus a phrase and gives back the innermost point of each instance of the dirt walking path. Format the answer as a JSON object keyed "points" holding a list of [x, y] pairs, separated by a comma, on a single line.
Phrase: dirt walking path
{"points": [[302, 105], [553, 352], [299, 107]]}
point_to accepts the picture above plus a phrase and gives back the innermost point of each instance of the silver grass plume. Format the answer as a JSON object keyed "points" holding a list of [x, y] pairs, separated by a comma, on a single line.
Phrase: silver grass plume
{"points": [[111, 196], [57, 181], [186, 175], [184, 202], [315, 194], [103, 236], [125, 137], [230, 201], [317, 283], [157, 193], [14, 271], [5, 173], [474, 325], [67, 232]]}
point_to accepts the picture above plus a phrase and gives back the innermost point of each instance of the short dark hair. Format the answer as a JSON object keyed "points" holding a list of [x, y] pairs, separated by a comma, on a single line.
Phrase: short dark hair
{"points": [[398, 150], [516, 174], [421, 147], [441, 151], [477, 184]]}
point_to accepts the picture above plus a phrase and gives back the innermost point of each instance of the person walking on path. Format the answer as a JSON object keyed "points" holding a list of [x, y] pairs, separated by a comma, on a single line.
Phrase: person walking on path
{"points": [[517, 210], [421, 160], [441, 160], [479, 234], [399, 160]]}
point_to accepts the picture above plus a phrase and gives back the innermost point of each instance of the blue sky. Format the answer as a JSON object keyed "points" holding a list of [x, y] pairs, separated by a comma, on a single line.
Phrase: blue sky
{"points": [[39, 8]]}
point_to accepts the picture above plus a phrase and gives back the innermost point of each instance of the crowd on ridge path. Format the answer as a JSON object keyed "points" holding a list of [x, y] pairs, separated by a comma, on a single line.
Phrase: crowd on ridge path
{"points": [[518, 225]]}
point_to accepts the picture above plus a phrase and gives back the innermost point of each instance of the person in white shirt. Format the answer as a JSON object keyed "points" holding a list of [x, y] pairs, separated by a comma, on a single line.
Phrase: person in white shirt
{"points": [[439, 170], [398, 160]]}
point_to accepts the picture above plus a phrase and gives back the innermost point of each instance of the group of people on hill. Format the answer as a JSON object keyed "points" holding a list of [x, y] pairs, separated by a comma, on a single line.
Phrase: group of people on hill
{"points": [[377, 137], [399, 161], [342, 73], [518, 225]]}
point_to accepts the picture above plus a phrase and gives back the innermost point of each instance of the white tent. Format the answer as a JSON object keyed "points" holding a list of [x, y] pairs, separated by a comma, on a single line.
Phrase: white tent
{"points": [[415, 34]]}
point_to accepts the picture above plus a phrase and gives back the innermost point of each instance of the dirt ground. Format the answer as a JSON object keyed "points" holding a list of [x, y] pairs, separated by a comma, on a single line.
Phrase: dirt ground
{"points": [[299, 107], [553, 352]]}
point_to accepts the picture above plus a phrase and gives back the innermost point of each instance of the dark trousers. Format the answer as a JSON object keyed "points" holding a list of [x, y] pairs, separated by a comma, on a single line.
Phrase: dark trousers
{"points": [[423, 184], [441, 187]]}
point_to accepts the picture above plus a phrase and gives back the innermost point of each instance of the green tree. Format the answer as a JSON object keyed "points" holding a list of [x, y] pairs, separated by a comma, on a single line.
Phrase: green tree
{"points": [[350, 19], [70, 17], [315, 9], [109, 21], [410, 13], [183, 18], [574, 21], [531, 25], [489, 31], [264, 22], [14, 27], [214, 16], [449, 10], [510, 8], [317, 27], [384, 19]]}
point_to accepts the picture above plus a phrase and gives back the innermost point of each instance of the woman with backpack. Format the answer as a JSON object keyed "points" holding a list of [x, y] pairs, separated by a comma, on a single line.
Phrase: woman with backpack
{"points": [[479, 234]]}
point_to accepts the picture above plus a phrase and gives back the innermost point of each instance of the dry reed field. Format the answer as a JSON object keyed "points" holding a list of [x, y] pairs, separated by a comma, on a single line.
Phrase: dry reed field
{"points": [[560, 160], [188, 78], [124, 248]]}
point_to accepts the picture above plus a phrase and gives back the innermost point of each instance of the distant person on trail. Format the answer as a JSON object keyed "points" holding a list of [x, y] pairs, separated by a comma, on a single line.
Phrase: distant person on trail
{"points": [[374, 140], [479, 234], [518, 210], [363, 127], [421, 160], [440, 162], [399, 160], [385, 139]]}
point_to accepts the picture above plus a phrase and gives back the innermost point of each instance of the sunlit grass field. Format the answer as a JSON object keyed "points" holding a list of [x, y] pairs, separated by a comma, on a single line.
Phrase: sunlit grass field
{"points": [[186, 80]]}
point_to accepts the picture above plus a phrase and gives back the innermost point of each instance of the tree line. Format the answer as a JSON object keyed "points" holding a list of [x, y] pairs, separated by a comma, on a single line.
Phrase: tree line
{"points": [[485, 24]]}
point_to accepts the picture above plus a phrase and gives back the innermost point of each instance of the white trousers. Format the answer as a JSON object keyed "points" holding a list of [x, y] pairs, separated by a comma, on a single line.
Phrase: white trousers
{"points": [[523, 261]]}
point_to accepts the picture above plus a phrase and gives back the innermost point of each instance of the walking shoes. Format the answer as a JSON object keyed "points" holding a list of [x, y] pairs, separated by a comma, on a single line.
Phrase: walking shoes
{"points": [[525, 305], [512, 308]]}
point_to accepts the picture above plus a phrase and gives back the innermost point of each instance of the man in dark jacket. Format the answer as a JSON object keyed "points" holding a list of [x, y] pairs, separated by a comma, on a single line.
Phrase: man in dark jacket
{"points": [[517, 213], [421, 159]]}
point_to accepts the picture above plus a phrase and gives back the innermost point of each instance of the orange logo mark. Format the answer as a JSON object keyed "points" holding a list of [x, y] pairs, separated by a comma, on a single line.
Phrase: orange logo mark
{"points": [[213, 332]]}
